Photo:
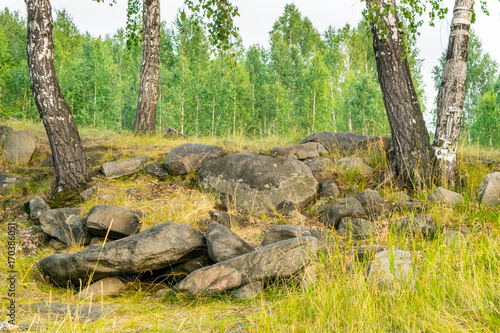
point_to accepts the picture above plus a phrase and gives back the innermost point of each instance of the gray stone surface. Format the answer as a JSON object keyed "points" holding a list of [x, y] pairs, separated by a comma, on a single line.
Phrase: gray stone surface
{"points": [[391, 268], [418, 224], [259, 184], [302, 151], [357, 165], [356, 228], [345, 207], [248, 290], [442, 195], [110, 286], [227, 219], [319, 164], [123, 168], [348, 142], [329, 189], [375, 206], [19, 146], [368, 252], [57, 245], [4, 131], [158, 170], [121, 222], [189, 157], [296, 216], [65, 224], [413, 204], [160, 246], [223, 244], [89, 193], [37, 206], [89, 313], [282, 232], [282, 259], [489, 189]]}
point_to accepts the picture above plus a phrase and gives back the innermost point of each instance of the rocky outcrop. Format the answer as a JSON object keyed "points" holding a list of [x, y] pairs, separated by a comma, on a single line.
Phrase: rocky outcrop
{"points": [[302, 151], [489, 189], [259, 184], [19, 146], [189, 157], [121, 222], [123, 168]]}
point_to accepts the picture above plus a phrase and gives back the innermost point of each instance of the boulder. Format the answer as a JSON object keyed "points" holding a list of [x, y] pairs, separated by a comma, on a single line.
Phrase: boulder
{"points": [[357, 165], [302, 151], [223, 244], [121, 222], [65, 224], [282, 232], [374, 205], [4, 132], [160, 246], [345, 207], [8, 183], [19, 146], [110, 286], [329, 189], [123, 168], [37, 205], [442, 195], [348, 142], [391, 268], [356, 228], [158, 170], [259, 184], [418, 224], [226, 219], [247, 291], [277, 260], [489, 189], [189, 157], [319, 164]]}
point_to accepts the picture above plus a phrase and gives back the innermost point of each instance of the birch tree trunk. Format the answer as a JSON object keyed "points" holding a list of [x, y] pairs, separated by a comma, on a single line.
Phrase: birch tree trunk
{"points": [[452, 93], [145, 117], [70, 164], [413, 158]]}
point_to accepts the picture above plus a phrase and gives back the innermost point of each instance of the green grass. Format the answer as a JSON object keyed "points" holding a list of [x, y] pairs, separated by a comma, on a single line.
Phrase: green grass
{"points": [[457, 288]]}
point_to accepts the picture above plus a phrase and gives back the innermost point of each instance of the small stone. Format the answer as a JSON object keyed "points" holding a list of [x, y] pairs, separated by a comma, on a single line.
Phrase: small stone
{"points": [[157, 169], [89, 313], [57, 245], [319, 164], [223, 244], [346, 207], [407, 205], [442, 195], [89, 193], [110, 286], [329, 189], [356, 165], [368, 252], [172, 133], [116, 222], [489, 190], [97, 241], [418, 224], [189, 157], [65, 224], [123, 168], [37, 205], [297, 216], [8, 183], [391, 268], [19, 146], [247, 291], [356, 228], [374, 205]]}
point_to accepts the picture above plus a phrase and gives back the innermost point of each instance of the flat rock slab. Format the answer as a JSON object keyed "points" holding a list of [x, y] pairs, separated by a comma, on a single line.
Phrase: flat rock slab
{"points": [[356, 228], [189, 157], [348, 142], [302, 151], [345, 207], [418, 224], [391, 268], [282, 259], [8, 183], [110, 286], [19, 146], [283, 232], [489, 189], [89, 313], [160, 246], [65, 224], [223, 244], [357, 165], [442, 195], [259, 184], [121, 222], [123, 168]]}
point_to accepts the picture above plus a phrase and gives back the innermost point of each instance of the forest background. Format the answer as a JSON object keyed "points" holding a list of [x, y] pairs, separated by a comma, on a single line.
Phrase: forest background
{"points": [[303, 81]]}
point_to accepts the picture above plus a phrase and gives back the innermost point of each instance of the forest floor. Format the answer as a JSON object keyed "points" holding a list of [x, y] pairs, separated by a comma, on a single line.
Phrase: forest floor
{"points": [[457, 287]]}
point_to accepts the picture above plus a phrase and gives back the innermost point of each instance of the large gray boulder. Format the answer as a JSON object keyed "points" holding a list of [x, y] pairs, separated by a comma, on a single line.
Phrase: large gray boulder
{"points": [[282, 259], [282, 232], [391, 268], [121, 222], [160, 246], [123, 168], [489, 189], [442, 195], [189, 157], [223, 244], [37, 206], [65, 224], [303, 151], [259, 184], [348, 142], [418, 224], [8, 183], [374, 205], [345, 207], [19, 146]]}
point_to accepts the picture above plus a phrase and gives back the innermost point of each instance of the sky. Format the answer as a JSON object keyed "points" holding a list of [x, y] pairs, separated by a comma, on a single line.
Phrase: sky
{"points": [[257, 17]]}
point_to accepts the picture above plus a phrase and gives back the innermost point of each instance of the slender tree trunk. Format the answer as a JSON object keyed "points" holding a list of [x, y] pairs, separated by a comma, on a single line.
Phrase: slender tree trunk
{"points": [[70, 164], [413, 158], [452, 93], [145, 117]]}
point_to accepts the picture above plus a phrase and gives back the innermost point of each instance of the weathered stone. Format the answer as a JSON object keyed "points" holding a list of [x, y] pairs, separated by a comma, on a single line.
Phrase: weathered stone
{"points": [[282, 259], [19, 146], [329, 189], [356, 228], [123, 168], [247, 291], [4, 132], [223, 244], [302, 151], [282, 232], [489, 189], [8, 183], [160, 246], [37, 205], [368, 252], [189, 157], [89, 313], [157, 169], [391, 268], [348, 142], [259, 184], [65, 224], [322, 205], [400, 196], [97, 241], [346, 207], [119, 221], [319, 164], [407, 205], [172, 133], [226, 219], [297, 216], [442, 195], [419, 224], [357, 165], [89, 193], [57, 245], [374, 205], [110, 286]]}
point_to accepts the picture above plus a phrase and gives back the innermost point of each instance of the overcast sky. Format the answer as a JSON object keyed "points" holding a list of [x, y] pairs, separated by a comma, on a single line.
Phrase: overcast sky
{"points": [[257, 17]]}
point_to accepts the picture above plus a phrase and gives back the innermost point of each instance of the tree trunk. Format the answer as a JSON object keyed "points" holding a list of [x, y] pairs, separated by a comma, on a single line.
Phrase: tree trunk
{"points": [[452, 93], [413, 155], [70, 164], [145, 117]]}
